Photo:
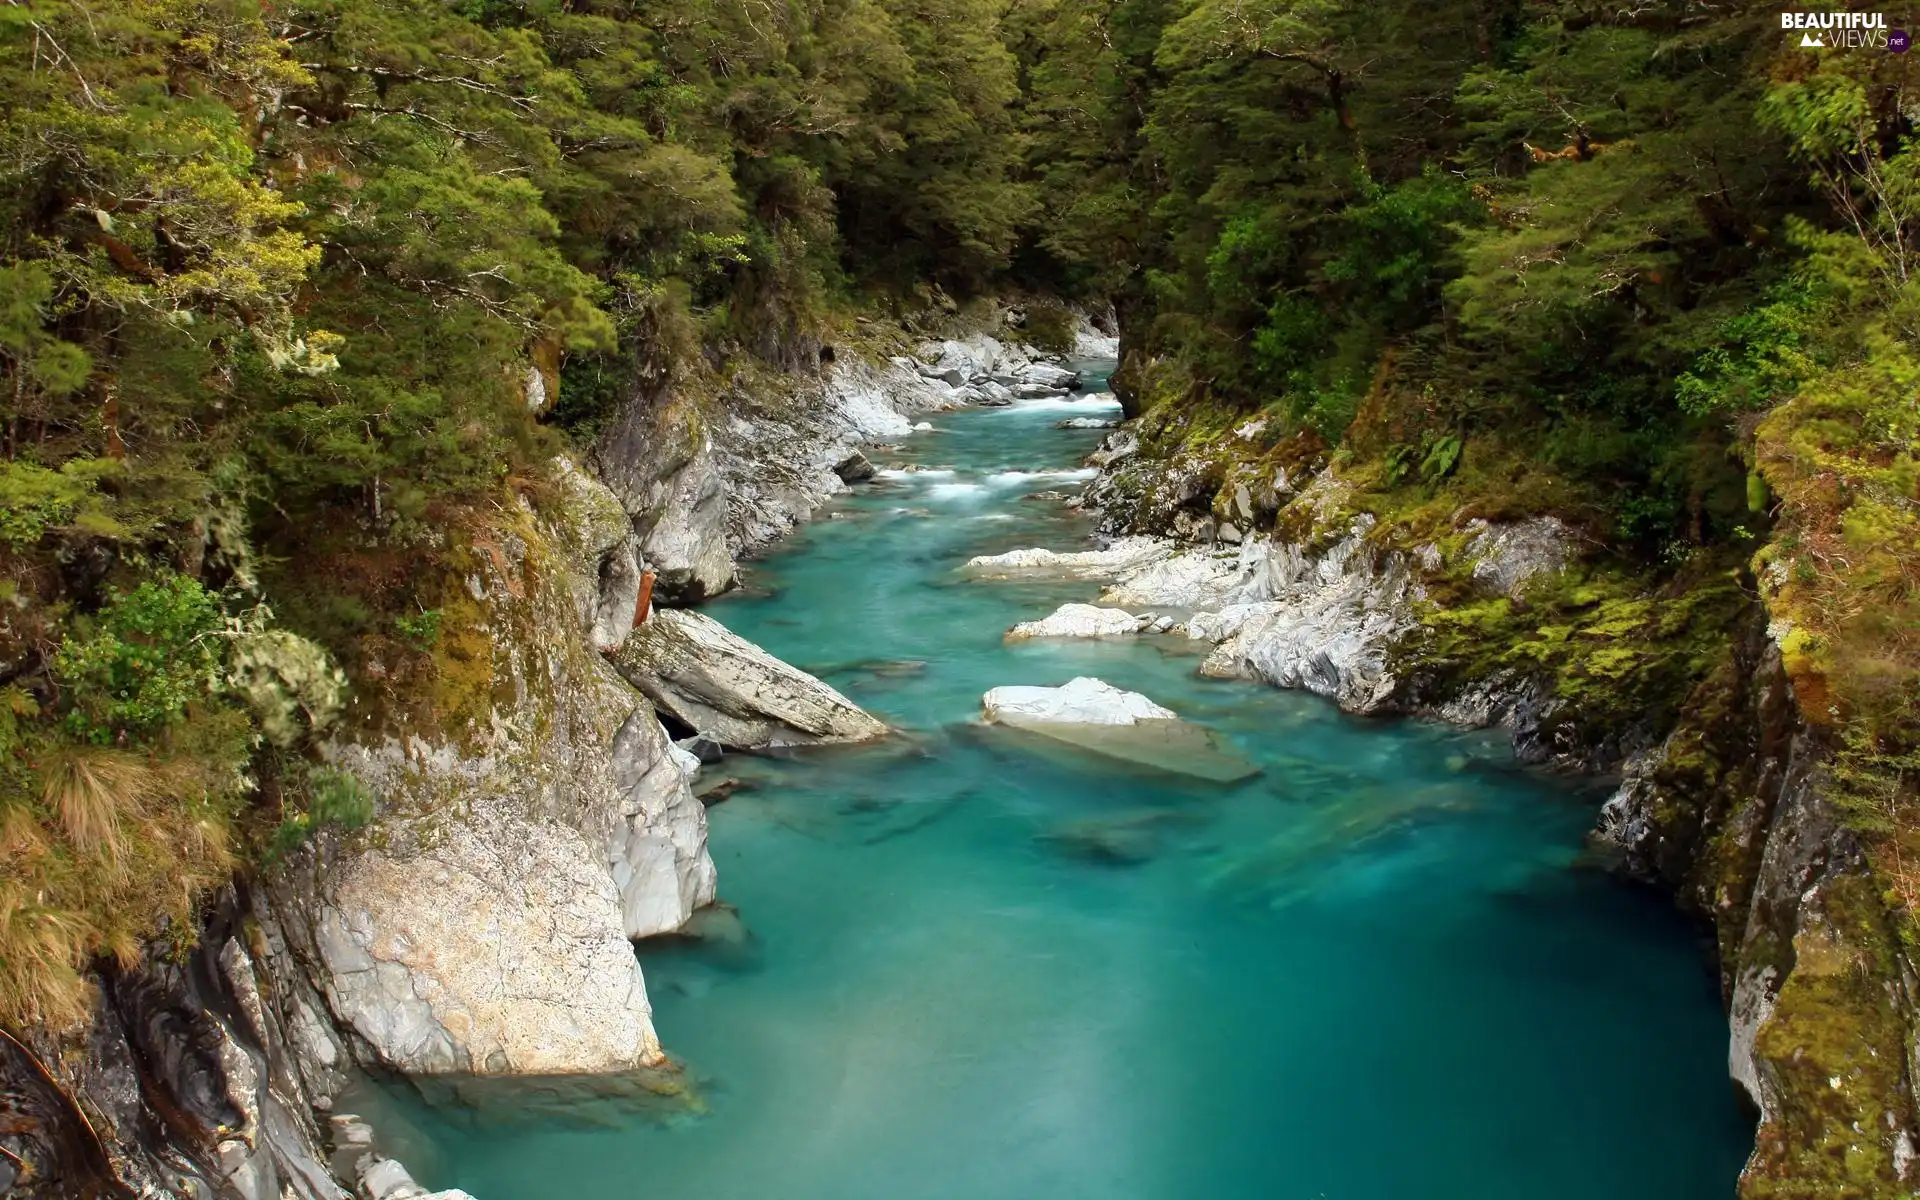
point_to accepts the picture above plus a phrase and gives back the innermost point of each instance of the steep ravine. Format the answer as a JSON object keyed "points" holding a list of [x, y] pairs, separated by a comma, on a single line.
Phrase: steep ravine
{"points": [[533, 819]]}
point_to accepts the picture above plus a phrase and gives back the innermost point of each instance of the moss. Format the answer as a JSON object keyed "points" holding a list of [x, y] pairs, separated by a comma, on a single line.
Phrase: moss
{"points": [[1834, 1048]]}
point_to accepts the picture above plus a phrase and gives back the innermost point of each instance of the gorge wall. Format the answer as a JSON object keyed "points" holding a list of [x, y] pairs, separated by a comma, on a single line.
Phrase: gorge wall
{"points": [[1305, 572]]}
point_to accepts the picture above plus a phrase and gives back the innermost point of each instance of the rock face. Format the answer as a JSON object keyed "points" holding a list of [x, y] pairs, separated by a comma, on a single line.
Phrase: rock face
{"points": [[1083, 701], [1078, 621], [491, 888], [198, 1078], [709, 679], [484, 930], [1732, 813]]}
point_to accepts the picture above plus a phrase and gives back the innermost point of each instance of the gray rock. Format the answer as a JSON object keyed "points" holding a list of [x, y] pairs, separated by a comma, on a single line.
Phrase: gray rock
{"points": [[711, 679], [704, 746], [1505, 557], [1086, 423], [855, 468]]}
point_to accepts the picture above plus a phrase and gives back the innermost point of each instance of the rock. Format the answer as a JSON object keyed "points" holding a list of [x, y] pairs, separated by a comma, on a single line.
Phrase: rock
{"points": [[1077, 621], [1116, 447], [660, 461], [387, 1179], [1126, 839], [482, 925], [1082, 701], [708, 678], [1322, 622], [718, 925], [1123, 555], [686, 760], [1086, 423], [1037, 391], [499, 948], [854, 468], [1196, 578], [1096, 716], [703, 746], [1048, 375], [1506, 557], [723, 790]]}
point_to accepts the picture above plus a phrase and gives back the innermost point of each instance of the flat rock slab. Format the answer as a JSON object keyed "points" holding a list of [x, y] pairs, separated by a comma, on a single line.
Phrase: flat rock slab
{"points": [[711, 679], [1096, 716]]}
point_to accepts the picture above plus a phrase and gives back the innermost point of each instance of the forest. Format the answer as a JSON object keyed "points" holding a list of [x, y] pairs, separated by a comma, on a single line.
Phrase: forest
{"points": [[274, 275]]}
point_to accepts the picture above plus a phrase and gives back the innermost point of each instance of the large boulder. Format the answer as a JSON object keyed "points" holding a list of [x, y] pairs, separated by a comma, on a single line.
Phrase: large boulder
{"points": [[1078, 621], [708, 678], [1082, 701], [531, 819], [1093, 715], [658, 457], [496, 947]]}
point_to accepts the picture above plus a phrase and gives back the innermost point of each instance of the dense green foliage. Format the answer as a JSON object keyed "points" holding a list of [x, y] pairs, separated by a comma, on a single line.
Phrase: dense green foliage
{"points": [[271, 280]]}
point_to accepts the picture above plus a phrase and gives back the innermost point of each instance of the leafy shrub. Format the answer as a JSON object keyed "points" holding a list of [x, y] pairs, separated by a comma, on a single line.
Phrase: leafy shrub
{"points": [[136, 665]]}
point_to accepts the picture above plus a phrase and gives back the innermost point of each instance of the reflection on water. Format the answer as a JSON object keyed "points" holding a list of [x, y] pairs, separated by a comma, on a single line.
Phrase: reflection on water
{"points": [[979, 967]]}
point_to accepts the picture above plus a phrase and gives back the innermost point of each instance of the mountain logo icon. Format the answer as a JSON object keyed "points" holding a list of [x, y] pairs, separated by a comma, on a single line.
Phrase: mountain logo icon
{"points": [[1813, 41]]}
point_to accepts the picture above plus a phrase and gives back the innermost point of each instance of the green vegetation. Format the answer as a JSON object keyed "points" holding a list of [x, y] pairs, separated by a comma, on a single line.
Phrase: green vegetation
{"points": [[273, 277]]}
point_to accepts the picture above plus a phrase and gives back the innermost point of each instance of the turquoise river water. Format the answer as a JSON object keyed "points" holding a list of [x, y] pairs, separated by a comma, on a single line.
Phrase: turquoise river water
{"points": [[980, 970]]}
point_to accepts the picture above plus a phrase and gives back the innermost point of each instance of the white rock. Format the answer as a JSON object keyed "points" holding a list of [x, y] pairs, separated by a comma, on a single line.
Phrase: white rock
{"points": [[498, 948], [713, 680], [1123, 555], [1078, 621], [1082, 701], [1197, 578]]}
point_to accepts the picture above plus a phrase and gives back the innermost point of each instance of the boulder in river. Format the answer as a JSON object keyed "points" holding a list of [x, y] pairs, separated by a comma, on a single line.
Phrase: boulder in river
{"points": [[854, 468], [1096, 716], [1078, 621], [708, 678], [1123, 556]]}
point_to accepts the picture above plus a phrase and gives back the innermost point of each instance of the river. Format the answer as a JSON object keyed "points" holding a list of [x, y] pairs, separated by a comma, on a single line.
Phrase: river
{"points": [[1380, 970]]}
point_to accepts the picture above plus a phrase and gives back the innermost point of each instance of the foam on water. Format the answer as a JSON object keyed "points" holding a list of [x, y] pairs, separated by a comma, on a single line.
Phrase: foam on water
{"points": [[1022, 478], [987, 966], [1087, 405]]}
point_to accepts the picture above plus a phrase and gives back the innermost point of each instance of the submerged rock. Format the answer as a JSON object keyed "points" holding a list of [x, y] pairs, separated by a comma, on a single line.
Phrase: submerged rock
{"points": [[1078, 621], [709, 678], [1124, 840], [1096, 716], [1086, 423]]}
